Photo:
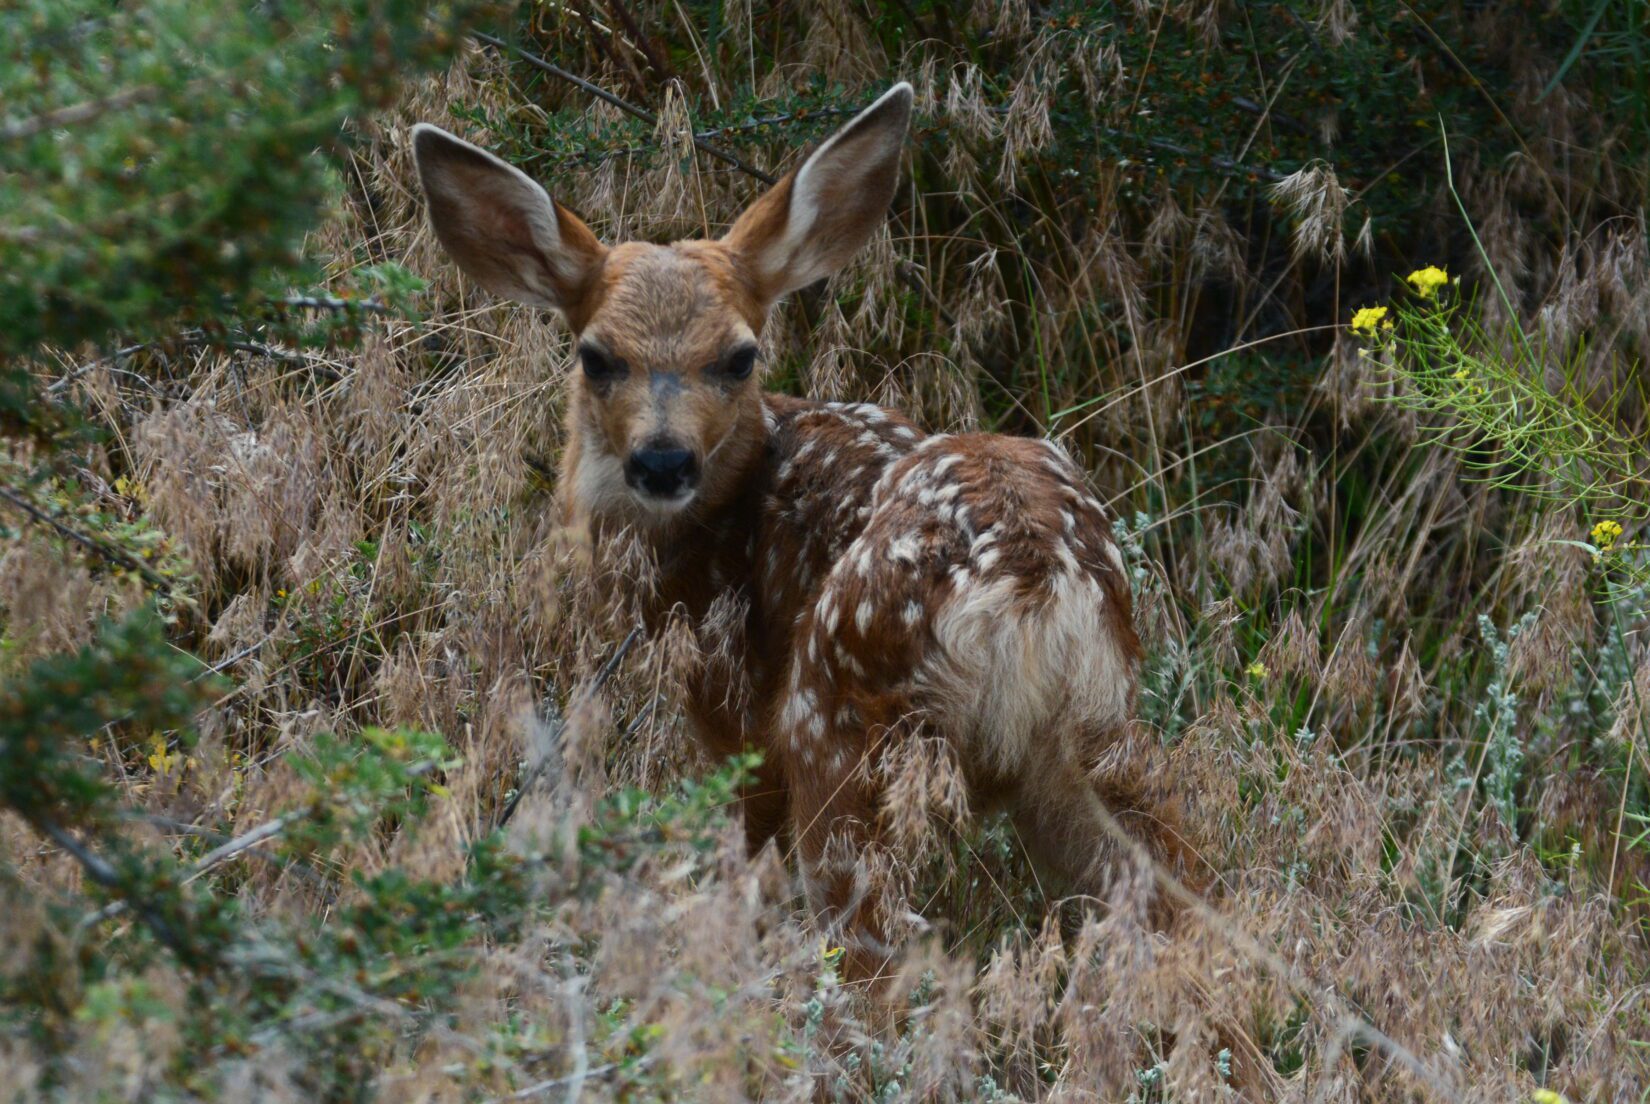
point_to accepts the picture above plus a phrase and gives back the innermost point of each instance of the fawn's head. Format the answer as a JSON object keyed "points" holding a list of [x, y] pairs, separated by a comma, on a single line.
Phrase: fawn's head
{"points": [[667, 408]]}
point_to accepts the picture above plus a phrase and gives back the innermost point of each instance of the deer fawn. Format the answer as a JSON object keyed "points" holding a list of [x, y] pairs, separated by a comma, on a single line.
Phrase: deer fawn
{"points": [[871, 584]]}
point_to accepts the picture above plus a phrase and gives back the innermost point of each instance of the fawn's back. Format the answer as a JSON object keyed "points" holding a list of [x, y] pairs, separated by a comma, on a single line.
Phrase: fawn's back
{"points": [[856, 586]]}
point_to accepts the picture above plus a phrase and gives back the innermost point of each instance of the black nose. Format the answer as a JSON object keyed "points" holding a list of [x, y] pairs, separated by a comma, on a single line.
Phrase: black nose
{"points": [[665, 472]]}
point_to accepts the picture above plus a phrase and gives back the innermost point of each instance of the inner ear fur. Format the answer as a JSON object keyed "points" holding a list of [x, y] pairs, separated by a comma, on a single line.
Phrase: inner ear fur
{"points": [[812, 222], [501, 228]]}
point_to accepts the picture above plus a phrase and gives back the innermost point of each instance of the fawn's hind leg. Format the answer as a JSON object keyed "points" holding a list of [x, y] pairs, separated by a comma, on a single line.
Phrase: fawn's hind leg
{"points": [[1068, 817]]}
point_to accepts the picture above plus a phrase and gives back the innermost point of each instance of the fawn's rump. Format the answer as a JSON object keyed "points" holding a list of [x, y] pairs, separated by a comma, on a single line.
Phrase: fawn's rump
{"points": [[990, 568], [1017, 677]]}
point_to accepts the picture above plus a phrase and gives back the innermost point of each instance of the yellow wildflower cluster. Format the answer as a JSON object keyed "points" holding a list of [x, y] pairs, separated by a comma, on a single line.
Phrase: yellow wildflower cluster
{"points": [[1365, 319], [163, 761], [1257, 671], [1426, 281], [1606, 533]]}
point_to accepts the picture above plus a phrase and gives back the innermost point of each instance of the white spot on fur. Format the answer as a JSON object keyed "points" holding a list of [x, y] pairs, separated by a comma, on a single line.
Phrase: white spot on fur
{"points": [[860, 557], [863, 615], [904, 549], [799, 707]]}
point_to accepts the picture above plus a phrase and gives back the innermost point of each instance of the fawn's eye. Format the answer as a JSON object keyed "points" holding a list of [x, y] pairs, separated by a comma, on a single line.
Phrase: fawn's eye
{"points": [[598, 366], [739, 363]]}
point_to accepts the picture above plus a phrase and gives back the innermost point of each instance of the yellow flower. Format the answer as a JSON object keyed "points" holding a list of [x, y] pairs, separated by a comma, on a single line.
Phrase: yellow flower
{"points": [[1365, 319], [831, 955], [1605, 534], [132, 489], [1548, 1096], [1257, 671], [1463, 374], [1426, 281], [162, 761]]}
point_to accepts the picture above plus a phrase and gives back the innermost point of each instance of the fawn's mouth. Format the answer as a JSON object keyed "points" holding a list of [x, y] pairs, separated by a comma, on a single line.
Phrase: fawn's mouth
{"points": [[664, 505]]}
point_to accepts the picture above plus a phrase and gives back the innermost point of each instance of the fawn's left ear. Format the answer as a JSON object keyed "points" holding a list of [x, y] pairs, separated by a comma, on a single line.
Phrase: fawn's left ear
{"points": [[504, 231], [812, 222]]}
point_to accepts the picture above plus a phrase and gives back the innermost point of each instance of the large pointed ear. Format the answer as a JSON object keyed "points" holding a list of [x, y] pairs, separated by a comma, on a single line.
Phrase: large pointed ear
{"points": [[812, 222], [502, 229]]}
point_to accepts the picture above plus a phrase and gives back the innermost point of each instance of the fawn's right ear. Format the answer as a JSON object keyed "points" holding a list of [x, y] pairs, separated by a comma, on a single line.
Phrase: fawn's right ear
{"points": [[504, 231]]}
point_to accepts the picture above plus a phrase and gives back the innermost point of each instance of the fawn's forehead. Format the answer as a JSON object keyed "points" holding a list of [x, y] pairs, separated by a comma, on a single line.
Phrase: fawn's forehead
{"points": [[671, 307]]}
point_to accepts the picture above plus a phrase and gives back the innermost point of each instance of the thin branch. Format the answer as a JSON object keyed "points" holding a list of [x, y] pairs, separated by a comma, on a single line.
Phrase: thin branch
{"points": [[622, 104], [91, 544], [195, 340], [76, 113], [643, 42], [80, 372], [371, 304], [98, 870], [247, 840], [541, 1087]]}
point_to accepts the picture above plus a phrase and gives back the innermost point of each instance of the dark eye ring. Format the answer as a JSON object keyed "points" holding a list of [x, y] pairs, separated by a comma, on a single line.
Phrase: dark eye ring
{"points": [[740, 362], [598, 365]]}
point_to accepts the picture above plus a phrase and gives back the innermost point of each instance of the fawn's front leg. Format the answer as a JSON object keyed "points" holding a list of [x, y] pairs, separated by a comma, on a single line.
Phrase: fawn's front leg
{"points": [[831, 735]]}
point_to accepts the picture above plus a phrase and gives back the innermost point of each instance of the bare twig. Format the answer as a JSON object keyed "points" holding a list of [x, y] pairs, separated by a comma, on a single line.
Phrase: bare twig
{"points": [[247, 840], [57, 387], [371, 304], [539, 1088], [194, 340], [76, 113], [91, 544], [622, 104], [642, 40], [98, 870], [608, 42]]}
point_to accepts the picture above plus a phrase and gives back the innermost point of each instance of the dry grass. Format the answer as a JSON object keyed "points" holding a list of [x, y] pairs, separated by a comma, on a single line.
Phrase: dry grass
{"points": [[371, 546]]}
